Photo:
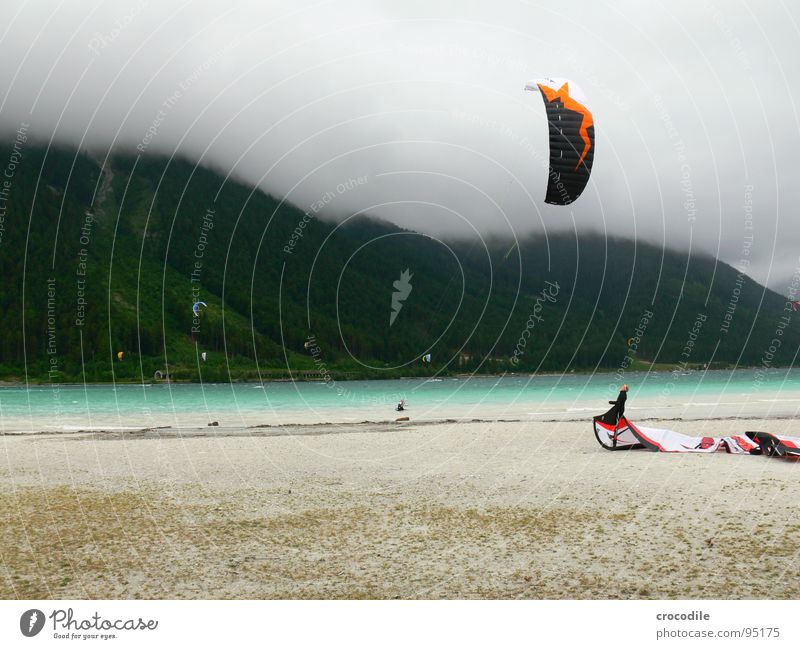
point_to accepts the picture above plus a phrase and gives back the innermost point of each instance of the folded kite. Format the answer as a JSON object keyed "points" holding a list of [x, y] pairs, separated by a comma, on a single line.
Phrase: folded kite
{"points": [[625, 435]]}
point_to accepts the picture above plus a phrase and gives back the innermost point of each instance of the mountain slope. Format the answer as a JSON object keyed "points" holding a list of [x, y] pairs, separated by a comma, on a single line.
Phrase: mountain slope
{"points": [[101, 262]]}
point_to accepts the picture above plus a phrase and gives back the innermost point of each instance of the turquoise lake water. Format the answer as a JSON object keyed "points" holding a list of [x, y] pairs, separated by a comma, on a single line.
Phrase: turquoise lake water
{"points": [[568, 392]]}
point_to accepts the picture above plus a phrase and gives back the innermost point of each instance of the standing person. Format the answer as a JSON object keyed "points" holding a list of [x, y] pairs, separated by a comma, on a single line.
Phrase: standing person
{"points": [[614, 415], [619, 409], [622, 397]]}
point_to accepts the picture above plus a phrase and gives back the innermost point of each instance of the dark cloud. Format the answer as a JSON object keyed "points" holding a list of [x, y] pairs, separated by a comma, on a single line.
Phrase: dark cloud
{"points": [[695, 105]]}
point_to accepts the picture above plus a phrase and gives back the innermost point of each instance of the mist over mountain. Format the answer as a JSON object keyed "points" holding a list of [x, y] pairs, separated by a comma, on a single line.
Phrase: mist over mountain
{"points": [[695, 108], [102, 261]]}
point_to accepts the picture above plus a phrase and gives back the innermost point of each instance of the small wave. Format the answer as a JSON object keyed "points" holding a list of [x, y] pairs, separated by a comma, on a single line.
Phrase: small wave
{"points": [[69, 428], [780, 400]]}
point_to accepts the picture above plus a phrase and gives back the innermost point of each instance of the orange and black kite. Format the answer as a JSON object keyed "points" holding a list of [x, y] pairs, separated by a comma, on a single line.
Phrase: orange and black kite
{"points": [[571, 139]]}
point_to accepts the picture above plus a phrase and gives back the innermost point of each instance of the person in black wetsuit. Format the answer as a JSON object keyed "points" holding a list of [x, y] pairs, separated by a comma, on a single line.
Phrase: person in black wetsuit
{"points": [[619, 404], [613, 416]]}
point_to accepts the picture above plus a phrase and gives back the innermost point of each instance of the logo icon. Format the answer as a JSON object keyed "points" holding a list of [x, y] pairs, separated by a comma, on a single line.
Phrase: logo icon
{"points": [[402, 289], [31, 622]]}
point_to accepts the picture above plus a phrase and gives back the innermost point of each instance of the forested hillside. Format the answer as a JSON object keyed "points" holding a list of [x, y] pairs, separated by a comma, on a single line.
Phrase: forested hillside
{"points": [[96, 263]]}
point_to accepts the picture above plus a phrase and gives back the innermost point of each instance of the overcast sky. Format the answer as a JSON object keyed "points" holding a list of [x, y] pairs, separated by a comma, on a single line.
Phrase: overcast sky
{"points": [[693, 102]]}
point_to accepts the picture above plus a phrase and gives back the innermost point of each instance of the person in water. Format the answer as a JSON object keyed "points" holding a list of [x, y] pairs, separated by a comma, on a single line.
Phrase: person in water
{"points": [[620, 402], [401, 406]]}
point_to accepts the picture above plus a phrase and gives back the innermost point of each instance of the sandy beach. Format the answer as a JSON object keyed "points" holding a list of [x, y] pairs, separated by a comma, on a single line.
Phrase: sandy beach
{"points": [[512, 509]]}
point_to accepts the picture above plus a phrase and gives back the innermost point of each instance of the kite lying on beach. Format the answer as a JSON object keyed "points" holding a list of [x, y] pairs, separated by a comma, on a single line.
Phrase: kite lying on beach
{"points": [[625, 435]]}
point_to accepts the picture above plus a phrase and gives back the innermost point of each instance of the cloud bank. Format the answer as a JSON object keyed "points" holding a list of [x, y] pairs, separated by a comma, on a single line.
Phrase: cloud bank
{"points": [[695, 105]]}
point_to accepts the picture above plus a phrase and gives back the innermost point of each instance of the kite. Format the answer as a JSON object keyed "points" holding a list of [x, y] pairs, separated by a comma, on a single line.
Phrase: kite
{"points": [[204, 355], [196, 308], [571, 139], [623, 435], [120, 355], [426, 358]]}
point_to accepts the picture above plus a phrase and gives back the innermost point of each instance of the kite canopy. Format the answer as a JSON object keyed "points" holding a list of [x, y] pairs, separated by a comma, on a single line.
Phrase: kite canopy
{"points": [[196, 307], [571, 139], [625, 435]]}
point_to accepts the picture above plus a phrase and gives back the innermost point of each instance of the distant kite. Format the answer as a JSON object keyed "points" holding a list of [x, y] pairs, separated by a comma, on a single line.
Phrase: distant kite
{"points": [[196, 308]]}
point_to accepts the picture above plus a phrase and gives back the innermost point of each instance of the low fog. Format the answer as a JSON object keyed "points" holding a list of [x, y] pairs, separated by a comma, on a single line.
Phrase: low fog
{"points": [[415, 111]]}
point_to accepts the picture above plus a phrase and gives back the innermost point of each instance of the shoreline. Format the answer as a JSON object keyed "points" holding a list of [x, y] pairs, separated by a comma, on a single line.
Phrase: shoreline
{"points": [[341, 427], [663, 368]]}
